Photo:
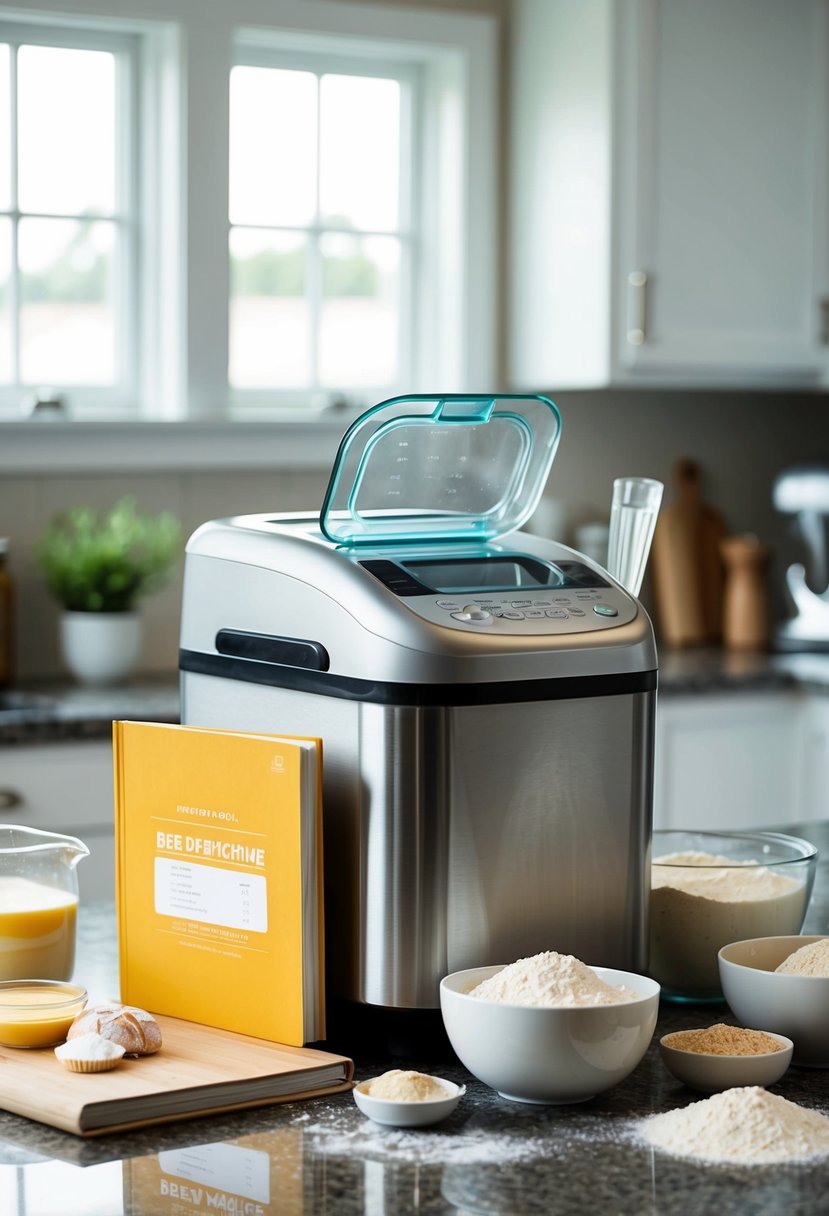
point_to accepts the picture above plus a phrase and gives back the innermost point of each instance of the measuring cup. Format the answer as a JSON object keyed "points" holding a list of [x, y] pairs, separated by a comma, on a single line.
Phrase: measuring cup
{"points": [[38, 903]]}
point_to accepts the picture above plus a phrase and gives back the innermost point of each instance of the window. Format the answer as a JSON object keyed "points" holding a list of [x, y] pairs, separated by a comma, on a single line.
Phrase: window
{"points": [[320, 253], [66, 216], [240, 220]]}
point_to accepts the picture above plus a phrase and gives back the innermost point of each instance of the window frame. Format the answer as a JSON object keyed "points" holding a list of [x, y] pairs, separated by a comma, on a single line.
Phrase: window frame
{"points": [[186, 420]]}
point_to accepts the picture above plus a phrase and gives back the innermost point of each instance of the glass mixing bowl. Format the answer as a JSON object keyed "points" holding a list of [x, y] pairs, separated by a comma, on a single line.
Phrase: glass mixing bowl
{"points": [[712, 888]]}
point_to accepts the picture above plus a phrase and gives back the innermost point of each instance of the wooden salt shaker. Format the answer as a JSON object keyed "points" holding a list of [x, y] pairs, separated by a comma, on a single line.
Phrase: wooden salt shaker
{"points": [[746, 617]]}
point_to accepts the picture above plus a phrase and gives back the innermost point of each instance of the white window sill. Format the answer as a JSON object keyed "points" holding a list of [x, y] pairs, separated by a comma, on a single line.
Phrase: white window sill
{"points": [[79, 446]]}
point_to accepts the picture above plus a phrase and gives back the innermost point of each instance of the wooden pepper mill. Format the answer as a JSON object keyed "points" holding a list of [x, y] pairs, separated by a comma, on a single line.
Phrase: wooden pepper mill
{"points": [[687, 565], [746, 616]]}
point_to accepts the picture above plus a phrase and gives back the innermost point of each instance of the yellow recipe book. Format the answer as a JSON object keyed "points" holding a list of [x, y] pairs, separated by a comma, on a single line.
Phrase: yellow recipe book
{"points": [[219, 878]]}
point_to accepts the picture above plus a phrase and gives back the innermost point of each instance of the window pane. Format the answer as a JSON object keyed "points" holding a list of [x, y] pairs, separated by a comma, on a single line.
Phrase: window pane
{"points": [[5, 302], [270, 324], [5, 130], [360, 151], [67, 323], [66, 130], [273, 146], [359, 331]]}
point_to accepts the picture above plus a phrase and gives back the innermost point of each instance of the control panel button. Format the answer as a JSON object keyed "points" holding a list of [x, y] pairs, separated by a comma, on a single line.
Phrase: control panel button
{"points": [[471, 614], [558, 614], [605, 610], [449, 605], [512, 614], [533, 614], [576, 612]]}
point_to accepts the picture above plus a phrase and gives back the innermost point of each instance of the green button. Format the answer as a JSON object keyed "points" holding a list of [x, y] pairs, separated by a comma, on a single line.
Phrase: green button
{"points": [[605, 610]]}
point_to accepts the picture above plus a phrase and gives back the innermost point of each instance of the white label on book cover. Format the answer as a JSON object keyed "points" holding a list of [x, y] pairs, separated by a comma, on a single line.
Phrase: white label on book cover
{"points": [[211, 895], [222, 1167]]}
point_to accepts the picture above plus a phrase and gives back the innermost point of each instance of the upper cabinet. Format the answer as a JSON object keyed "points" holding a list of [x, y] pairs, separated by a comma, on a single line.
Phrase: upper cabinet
{"points": [[668, 193]]}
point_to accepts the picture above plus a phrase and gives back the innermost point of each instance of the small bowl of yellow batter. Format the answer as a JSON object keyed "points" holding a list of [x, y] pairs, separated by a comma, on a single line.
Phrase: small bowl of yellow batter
{"points": [[38, 1013]]}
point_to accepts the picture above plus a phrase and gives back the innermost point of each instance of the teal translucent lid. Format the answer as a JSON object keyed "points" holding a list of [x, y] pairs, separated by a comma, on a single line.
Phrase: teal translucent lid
{"points": [[452, 467]]}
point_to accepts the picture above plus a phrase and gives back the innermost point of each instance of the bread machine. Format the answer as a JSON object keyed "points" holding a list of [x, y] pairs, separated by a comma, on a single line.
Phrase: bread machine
{"points": [[485, 697]]}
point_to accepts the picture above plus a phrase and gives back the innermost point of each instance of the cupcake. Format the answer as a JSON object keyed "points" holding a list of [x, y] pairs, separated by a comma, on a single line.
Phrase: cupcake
{"points": [[90, 1053]]}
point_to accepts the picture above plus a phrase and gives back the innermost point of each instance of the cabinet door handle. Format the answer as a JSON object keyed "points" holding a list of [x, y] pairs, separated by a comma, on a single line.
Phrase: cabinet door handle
{"points": [[824, 320], [637, 327], [10, 799]]}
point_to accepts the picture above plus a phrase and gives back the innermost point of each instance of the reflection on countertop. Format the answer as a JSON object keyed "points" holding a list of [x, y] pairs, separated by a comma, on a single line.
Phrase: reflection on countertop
{"points": [[491, 1156]]}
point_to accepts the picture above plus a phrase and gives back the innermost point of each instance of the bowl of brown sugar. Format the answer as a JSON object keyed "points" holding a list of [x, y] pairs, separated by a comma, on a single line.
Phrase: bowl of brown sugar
{"points": [[722, 1057]]}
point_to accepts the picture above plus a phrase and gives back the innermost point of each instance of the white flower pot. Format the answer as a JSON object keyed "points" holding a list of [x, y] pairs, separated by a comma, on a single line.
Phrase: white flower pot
{"points": [[101, 647]]}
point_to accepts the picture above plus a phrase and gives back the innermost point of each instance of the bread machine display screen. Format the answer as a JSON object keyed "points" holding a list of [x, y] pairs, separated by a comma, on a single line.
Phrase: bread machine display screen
{"points": [[469, 575]]}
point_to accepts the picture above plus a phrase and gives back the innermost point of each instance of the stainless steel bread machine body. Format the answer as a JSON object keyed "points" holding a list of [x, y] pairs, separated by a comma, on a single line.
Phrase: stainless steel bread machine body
{"points": [[485, 698], [487, 784]]}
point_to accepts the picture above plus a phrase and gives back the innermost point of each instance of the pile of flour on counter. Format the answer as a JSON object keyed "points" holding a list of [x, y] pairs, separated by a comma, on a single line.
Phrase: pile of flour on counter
{"points": [[747, 1125], [550, 979]]}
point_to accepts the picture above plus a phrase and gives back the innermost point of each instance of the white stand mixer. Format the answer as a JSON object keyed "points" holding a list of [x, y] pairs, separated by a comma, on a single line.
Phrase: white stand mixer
{"points": [[804, 493]]}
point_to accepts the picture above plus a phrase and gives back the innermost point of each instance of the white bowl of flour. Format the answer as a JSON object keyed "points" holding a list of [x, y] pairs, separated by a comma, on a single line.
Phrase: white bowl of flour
{"points": [[549, 1029], [773, 984], [712, 888]]}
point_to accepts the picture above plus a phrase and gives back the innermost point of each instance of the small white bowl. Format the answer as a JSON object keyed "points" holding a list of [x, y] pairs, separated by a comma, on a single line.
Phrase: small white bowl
{"points": [[710, 1073], [408, 1114], [549, 1055], [793, 1005]]}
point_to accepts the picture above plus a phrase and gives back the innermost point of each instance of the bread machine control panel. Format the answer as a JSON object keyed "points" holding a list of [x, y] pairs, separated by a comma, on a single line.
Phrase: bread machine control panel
{"points": [[565, 598]]}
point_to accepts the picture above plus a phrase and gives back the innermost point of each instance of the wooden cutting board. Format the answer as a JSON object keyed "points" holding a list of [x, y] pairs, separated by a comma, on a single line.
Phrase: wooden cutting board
{"points": [[686, 564], [198, 1071]]}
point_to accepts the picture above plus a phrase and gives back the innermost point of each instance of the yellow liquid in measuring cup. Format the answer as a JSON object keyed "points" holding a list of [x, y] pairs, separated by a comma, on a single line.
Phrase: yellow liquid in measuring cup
{"points": [[37, 930]]}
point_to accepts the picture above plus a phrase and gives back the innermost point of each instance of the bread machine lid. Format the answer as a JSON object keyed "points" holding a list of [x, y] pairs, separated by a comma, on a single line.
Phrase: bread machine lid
{"points": [[454, 467]]}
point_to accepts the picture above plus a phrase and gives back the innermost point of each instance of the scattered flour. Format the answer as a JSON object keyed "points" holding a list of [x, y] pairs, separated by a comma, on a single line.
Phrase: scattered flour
{"points": [[808, 960], [403, 1085], [747, 1125], [340, 1136], [550, 979]]}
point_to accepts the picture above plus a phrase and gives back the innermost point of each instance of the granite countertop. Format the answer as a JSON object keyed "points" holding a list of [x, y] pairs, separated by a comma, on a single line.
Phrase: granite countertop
{"points": [[491, 1156], [720, 671], [51, 712], [57, 711]]}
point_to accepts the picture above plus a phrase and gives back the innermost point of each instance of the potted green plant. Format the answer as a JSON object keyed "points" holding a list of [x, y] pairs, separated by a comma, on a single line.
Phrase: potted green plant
{"points": [[98, 567]]}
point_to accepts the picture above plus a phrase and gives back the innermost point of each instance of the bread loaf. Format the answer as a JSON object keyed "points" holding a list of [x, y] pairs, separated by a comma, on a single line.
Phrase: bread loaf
{"points": [[134, 1029]]}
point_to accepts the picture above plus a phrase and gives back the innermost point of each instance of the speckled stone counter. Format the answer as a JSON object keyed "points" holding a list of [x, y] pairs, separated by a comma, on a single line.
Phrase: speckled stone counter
{"points": [[491, 1156], [696, 672], [56, 712]]}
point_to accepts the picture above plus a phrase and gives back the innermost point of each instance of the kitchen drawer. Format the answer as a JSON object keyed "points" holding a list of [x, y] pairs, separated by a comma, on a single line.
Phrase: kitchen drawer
{"points": [[65, 787]]}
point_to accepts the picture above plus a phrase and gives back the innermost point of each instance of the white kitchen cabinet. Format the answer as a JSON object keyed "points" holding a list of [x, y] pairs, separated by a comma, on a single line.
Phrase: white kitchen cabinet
{"points": [[65, 787], [736, 760], [815, 753], [668, 192]]}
